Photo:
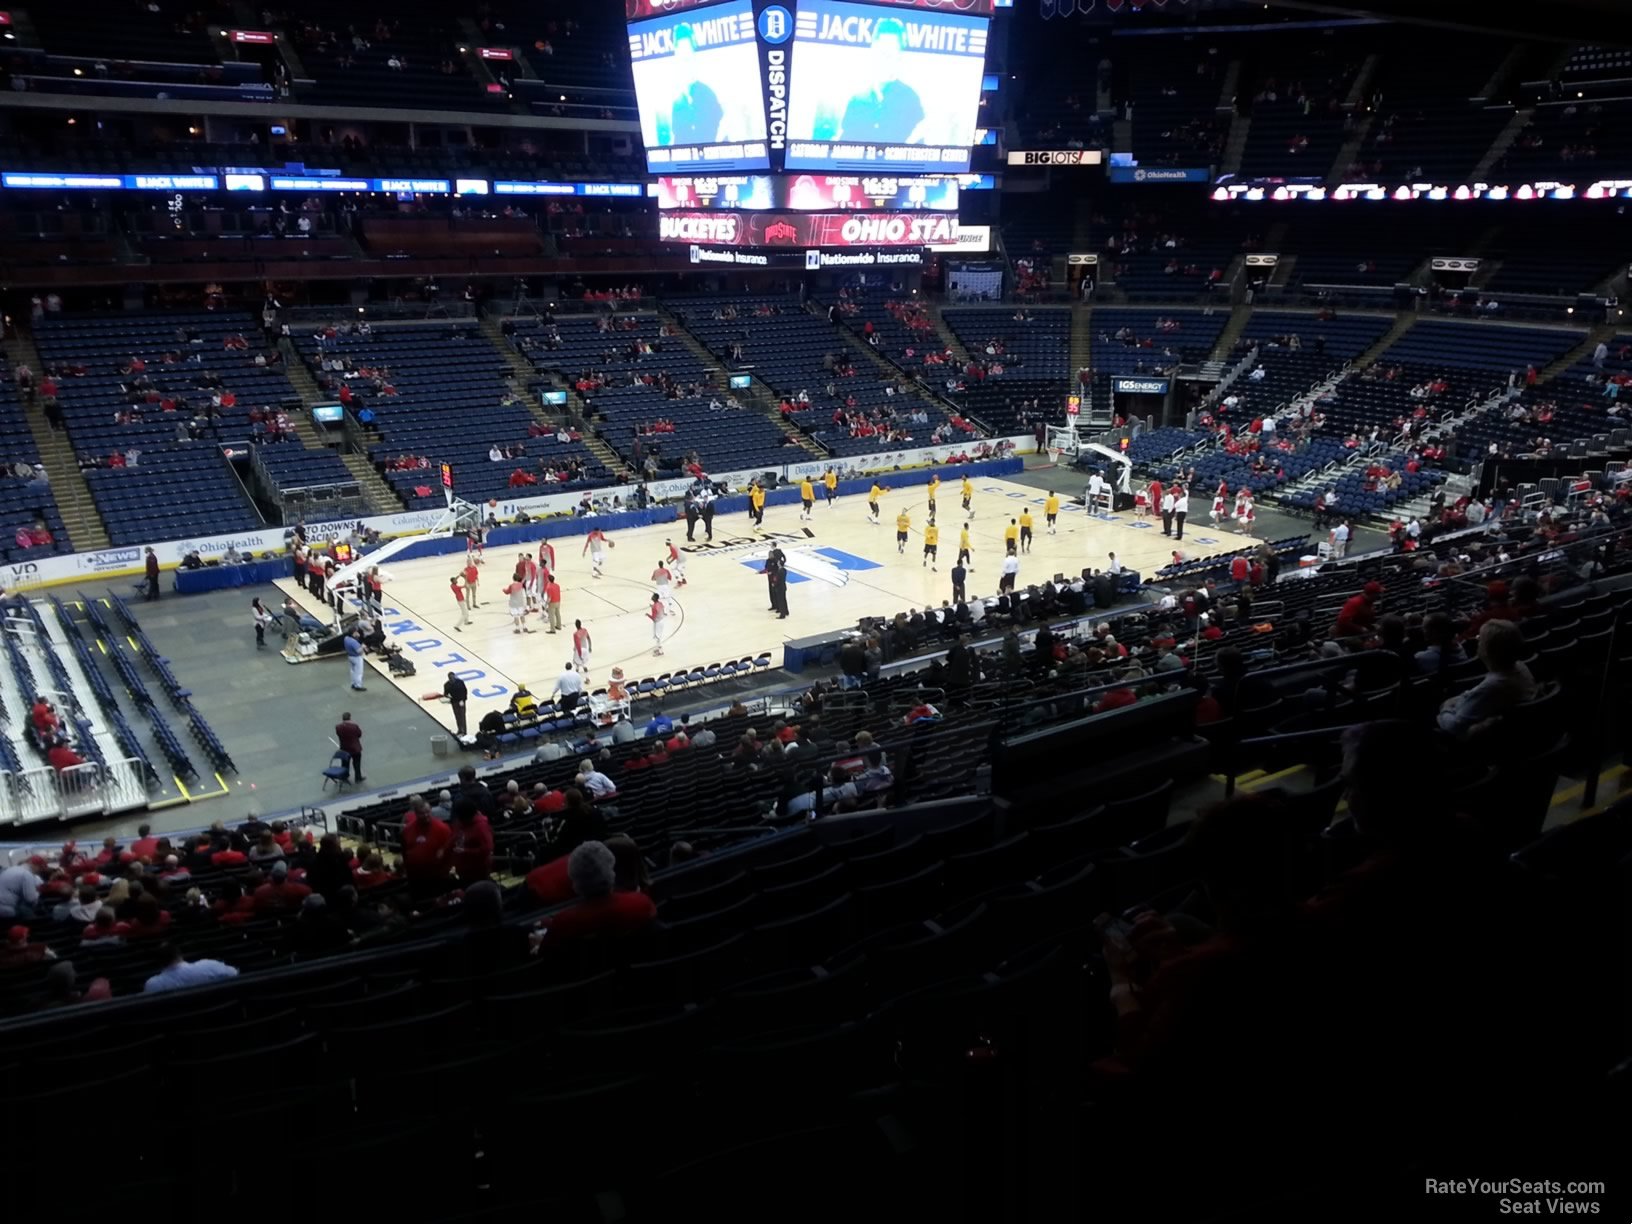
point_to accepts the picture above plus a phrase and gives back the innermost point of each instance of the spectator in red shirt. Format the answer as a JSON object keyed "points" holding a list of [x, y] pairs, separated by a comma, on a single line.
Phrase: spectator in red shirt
{"points": [[546, 802], [62, 757], [372, 873], [425, 847], [150, 922], [279, 894], [602, 909], [105, 928], [1359, 612], [1123, 695], [44, 718], [17, 950], [146, 845], [471, 850], [549, 883], [232, 906]]}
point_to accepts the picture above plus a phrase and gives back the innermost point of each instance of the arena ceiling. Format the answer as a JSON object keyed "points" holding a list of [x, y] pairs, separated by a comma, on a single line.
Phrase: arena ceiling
{"points": [[1600, 21]]}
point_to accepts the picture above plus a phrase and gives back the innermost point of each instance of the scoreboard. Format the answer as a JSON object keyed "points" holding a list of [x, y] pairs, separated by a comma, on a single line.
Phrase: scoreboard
{"points": [[809, 192]]}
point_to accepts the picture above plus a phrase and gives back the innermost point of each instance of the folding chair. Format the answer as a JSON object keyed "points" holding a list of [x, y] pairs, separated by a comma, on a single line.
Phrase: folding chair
{"points": [[339, 770]]}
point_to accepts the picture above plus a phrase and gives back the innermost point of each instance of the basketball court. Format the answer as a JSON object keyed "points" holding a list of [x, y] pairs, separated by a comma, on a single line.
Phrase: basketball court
{"points": [[841, 568]]}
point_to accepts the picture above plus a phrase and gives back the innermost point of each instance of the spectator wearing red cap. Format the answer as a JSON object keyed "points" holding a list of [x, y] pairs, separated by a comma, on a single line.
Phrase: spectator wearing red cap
{"points": [[19, 951], [1359, 612]]}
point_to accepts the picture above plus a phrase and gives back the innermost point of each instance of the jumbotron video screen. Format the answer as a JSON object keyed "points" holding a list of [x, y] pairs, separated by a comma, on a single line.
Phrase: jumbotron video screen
{"points": [[876, 89], [697, 86]]}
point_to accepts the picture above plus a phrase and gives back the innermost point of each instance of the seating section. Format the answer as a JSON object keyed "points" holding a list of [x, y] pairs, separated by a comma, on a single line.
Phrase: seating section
{"points": [[25, 501], [1035, 226], [1154, 444], [1572, 142], [1035, 347], [133, 32], [1144, 341], [1429, 125], [1035, 359], [361, 58], [1574, 413], [438, 391], [1298, 124], [1167, 254], [1360, 490], [1340, 338], [138, 397], [1475, 347], [789, 349], [603, 359], [1596, 62], [577, 54], [1175, 103]]}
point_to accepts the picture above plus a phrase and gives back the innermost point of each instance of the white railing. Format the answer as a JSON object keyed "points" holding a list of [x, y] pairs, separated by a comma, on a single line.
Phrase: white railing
{"points": [[83, 790], [124, 786], [34, 795], [79, 790]]}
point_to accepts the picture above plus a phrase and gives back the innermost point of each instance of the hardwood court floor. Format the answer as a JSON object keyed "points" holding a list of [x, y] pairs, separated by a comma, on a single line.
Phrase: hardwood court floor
{"points": [[842, 568]]}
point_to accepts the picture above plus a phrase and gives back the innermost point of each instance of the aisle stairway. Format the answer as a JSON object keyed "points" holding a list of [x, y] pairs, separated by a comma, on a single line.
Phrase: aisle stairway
{"points": [[948, 340], [1402, 324], [382, 499], [1231, 333], [86, 531]]}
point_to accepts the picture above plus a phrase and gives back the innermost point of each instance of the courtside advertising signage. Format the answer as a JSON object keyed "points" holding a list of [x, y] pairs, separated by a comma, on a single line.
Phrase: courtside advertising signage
{"points": [[806, 230], [698, 89], [809, 192], [877, 88]]}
